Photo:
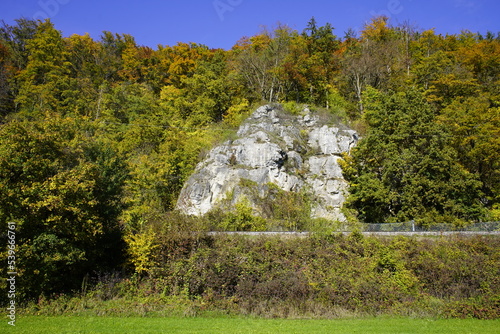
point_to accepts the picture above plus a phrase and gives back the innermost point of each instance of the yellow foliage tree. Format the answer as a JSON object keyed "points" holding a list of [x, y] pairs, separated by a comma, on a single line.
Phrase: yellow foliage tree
{"points": [[141, 247]]}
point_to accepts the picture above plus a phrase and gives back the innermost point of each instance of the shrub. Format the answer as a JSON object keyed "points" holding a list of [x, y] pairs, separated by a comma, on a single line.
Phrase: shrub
{"points": [[482, 307], [317, 276]]}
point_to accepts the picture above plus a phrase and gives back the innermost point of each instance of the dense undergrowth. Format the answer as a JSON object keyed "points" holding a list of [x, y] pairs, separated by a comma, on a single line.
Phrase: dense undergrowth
{"points": [[322, 276]]}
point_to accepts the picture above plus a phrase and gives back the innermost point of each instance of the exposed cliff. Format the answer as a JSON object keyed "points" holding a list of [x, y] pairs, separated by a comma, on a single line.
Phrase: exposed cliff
{"points": [[274, 149]]}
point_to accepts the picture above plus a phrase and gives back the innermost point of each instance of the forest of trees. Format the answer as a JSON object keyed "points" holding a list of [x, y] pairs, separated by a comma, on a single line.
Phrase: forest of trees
{"points": [[98, 136]]}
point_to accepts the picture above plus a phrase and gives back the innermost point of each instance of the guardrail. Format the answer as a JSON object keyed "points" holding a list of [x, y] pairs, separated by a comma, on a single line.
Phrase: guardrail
{"points": [[412, 227], [407, 228]]}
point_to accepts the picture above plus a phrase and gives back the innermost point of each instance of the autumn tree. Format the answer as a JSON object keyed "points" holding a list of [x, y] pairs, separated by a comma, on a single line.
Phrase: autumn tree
{"points": [[6, 94], [482, 58], [379, 58], [13, 58], [258, 61], [63, 191], [16, 38], [474, 125], [43, 83]]}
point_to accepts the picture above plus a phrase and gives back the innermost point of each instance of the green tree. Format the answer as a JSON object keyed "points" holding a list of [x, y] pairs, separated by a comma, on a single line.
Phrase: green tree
{"points": [[87, 76], [64, 191], [113, 46], [322, 63], [206, 96], [43, 83], [405, 168]]}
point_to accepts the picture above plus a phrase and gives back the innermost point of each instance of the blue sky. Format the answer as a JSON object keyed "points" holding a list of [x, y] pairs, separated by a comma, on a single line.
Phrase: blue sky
{"points": [[221, 23]]}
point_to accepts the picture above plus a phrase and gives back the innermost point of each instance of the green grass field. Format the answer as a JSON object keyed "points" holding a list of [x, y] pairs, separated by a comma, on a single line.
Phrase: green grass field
{"points": [[73, 325]]}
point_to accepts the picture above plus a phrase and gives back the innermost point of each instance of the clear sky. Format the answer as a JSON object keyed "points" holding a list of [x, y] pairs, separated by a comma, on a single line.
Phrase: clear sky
{"points": [[221, 23]]}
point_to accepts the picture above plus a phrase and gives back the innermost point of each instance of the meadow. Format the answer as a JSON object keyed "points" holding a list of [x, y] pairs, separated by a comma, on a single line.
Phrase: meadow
{"points": [[386, 325]]}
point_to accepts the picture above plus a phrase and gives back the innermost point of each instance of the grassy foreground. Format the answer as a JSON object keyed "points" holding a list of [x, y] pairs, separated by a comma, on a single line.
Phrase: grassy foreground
{"points": [[73, 324]]}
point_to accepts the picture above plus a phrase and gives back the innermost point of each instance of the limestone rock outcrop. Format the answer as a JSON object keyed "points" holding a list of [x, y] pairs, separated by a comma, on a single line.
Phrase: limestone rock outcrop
{"points": [[293, 152]]}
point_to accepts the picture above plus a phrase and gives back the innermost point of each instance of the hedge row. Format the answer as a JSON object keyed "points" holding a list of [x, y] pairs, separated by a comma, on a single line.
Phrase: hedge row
{"points": [[313, 277], [458, 276]]}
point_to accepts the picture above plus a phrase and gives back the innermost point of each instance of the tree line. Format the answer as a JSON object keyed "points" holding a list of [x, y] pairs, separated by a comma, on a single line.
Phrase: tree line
{"points": [[98, 136]]}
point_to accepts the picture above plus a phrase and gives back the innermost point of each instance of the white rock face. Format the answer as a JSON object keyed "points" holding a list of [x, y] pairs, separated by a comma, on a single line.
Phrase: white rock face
{"points": [[292, 152], [329, 141]]}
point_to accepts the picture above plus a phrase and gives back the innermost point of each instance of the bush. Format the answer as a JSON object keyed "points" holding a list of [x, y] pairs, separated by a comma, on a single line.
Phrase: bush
{"points": [[356, 274], [483, 307], [317, 276]]}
